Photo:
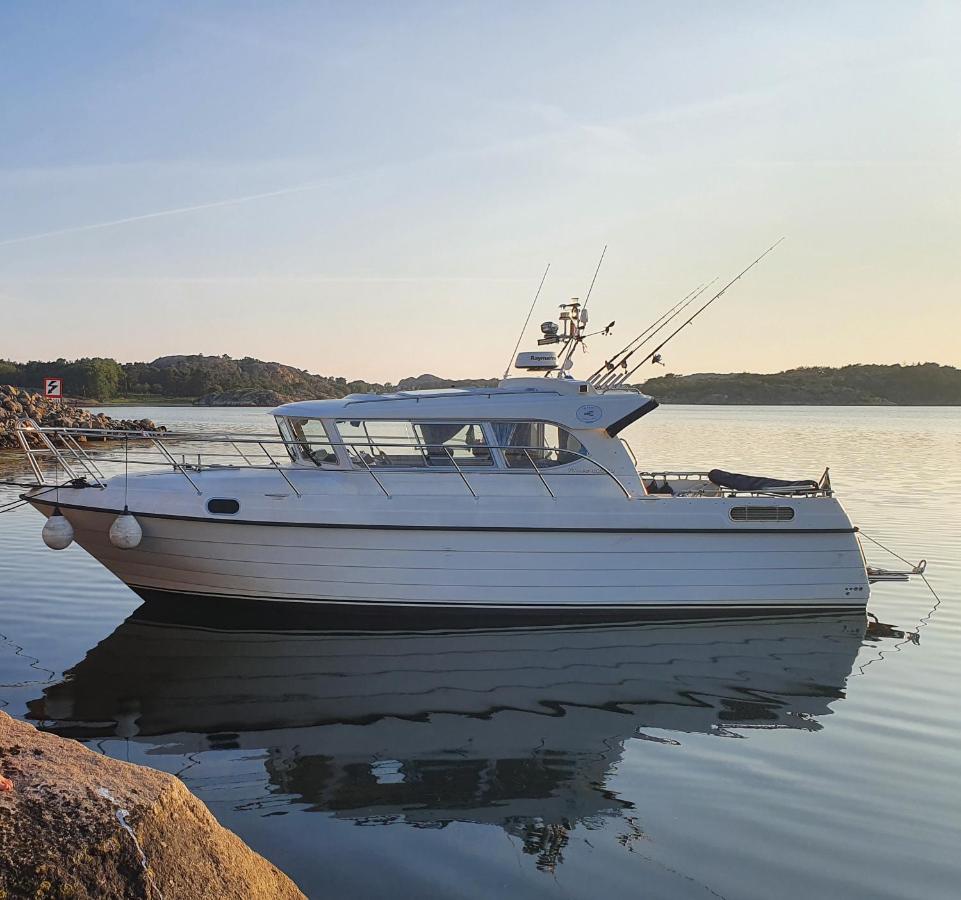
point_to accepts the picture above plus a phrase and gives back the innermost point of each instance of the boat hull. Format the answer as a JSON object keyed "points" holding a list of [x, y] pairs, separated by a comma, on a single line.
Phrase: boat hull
{"points": [[528, 570]]}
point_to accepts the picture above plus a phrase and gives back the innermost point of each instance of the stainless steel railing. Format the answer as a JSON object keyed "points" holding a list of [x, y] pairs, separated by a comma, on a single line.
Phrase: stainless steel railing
{"points": [[69, 451], [699, 484]]}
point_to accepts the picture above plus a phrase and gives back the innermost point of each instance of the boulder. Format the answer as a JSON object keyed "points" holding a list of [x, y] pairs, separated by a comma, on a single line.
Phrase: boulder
{"points": [[19, 404], [74, 823]]}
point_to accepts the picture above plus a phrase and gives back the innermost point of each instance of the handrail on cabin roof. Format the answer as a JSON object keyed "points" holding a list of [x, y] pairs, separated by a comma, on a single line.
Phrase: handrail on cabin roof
{"points": [[448, 394]]}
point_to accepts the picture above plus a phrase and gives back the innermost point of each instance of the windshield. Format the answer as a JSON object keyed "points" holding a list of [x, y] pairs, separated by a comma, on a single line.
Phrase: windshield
{"points": [[307, 439]]}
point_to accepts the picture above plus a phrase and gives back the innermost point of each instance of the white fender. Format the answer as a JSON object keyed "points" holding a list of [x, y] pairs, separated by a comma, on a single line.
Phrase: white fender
{"points": [[125, 532], [57, 531]]}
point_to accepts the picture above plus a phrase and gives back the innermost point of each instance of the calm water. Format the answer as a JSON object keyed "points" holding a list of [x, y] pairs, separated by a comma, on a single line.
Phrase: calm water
{"points": [[813, 757]]}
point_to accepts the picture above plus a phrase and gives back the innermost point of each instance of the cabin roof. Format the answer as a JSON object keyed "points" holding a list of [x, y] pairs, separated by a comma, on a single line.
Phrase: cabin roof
{"points": [[574, 404]]}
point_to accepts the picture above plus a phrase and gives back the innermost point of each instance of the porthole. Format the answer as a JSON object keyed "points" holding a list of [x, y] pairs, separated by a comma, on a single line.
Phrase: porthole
{"points": [[762, 513], [222, 507]]}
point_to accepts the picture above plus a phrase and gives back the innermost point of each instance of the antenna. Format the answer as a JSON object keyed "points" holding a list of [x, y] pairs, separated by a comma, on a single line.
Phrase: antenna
{"points": [[654, 353], [587, 299], [530, 312], [579, 319]]}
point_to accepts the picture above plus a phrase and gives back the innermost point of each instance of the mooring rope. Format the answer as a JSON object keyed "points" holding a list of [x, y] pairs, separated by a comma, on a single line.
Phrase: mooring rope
{"points": [[910, 637], [10, 507], [937, 600], [16, 504], [888, 549]]}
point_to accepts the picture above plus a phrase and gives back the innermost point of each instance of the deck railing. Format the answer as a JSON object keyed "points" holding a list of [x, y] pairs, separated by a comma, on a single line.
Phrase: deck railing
{"points": [[699, 484], [68, 450]]}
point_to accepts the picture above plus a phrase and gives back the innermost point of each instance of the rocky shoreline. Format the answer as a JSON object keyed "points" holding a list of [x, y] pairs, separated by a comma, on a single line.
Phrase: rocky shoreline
{"points": [[17, 404], [74, 823]]}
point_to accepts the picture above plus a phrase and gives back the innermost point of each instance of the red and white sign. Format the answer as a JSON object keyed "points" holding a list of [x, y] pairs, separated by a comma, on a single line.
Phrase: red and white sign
{"points": [[53, 388]]}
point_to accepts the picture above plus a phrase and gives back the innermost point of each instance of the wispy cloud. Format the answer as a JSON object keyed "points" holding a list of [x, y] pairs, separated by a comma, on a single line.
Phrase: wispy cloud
{"points": [[274, 279], [600, 138], [159, 214]]}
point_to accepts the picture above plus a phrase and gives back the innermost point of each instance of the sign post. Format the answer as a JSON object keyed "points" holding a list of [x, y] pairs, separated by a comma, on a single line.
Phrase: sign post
{"points": [[53, 389]]}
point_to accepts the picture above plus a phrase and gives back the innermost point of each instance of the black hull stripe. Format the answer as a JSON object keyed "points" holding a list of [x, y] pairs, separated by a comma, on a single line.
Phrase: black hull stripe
{"points": [[772, 606], [352, 526]]}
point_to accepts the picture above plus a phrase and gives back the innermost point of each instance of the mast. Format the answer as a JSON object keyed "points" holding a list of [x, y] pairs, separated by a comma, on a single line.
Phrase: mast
{"points": [[576, 320]]}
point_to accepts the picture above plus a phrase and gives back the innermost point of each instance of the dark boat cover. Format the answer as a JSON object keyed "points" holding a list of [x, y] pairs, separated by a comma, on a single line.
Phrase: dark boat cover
{"points": [[735, 482]]}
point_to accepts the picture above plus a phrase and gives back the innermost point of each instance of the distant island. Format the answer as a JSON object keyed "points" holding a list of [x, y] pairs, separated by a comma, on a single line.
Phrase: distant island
{"points": [[223, 381], [924, 384]]}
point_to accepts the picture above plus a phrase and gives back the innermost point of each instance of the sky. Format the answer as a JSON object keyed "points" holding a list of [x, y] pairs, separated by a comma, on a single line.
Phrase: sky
{"points": [[373, 190]]}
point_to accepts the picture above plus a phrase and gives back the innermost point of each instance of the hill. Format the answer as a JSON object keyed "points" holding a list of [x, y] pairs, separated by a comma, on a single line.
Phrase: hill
{"points": [[925, 384], [185, 377], [223, 381], [434, 382]]}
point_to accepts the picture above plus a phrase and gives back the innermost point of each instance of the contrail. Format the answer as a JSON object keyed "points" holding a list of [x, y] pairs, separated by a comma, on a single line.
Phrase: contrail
{"points": [[231, 201]]}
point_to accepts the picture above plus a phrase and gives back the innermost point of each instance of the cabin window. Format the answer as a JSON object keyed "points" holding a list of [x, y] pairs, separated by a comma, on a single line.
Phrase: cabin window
{"points": [[414, 444], [462, 442], [540, 444], [310, 440], [376, 443], [222, 506]]}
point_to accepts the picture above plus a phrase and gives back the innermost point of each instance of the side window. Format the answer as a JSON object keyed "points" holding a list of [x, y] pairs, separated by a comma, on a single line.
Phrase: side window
{"points": [[462, 443], [375, 443], [540, 444], [419, 445]]}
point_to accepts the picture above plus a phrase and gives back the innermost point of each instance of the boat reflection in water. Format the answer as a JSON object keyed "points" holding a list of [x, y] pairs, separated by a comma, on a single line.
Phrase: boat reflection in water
{"points": [[518, 727]]}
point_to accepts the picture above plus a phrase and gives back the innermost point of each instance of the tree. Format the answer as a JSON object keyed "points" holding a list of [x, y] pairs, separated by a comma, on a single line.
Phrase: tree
{"points": [[97, 378]]}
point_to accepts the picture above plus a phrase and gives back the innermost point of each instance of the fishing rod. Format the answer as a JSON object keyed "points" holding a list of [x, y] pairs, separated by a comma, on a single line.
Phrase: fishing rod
{"points": [[655, 353], [609, 364], [520, 337], [613, 376], [581, 317], [587, 299], [605, 373]]}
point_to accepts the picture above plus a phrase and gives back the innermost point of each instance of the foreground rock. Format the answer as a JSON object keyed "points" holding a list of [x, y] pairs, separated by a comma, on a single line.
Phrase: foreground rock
{"points": [[77, 824], [17, 404]]}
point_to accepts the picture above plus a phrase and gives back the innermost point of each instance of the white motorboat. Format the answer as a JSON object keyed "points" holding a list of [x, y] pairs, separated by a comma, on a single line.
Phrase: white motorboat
{"points": [[520, 497]]}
